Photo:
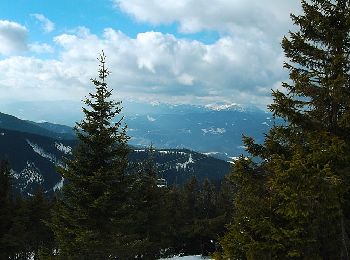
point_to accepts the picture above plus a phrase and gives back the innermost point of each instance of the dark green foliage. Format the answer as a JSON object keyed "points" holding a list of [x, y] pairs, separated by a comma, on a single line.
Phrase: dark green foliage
{"points": [[23, 232], [251, 224], [295, 203], [174, 220], [91, 219], [193, 218], [146, 204], [6, 208], [40, 236], [5, 182]]}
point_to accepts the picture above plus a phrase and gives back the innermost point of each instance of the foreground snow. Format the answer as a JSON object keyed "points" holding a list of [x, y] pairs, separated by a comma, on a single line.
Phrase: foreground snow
{"points": [[193, 257]]}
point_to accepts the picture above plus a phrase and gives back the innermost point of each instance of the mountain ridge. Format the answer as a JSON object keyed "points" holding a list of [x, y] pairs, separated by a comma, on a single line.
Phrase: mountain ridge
{"points": [[34, 159]]}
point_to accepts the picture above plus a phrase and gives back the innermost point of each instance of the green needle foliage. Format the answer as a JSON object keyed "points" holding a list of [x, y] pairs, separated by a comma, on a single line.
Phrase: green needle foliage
{"points": [[90, 220], [294, 203]]}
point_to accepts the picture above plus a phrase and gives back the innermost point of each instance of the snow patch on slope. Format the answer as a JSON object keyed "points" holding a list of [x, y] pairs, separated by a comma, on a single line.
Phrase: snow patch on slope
{"points": [[185, 164], [139, 150], [213, 131], [31, 174], [190, 257], [221, 107], [172, 152], [63, 148], [233, 159], [211, 153], [37, 149], [28, 176], [58, 185], [151, 119]]}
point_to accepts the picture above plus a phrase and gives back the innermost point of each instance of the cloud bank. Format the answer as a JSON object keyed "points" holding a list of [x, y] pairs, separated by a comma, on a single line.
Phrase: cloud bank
{"points": [[152, 66], [242, 66]]}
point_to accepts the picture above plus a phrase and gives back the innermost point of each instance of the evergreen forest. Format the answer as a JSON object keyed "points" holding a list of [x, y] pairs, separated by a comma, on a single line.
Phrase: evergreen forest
{"points": [[289, 199]]}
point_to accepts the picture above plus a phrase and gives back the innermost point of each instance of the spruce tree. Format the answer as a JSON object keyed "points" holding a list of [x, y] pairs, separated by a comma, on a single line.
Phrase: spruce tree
{"points": [[40, 237], [190, 193], [304, 163], [147, 225], [90, 220], [6, 210]]}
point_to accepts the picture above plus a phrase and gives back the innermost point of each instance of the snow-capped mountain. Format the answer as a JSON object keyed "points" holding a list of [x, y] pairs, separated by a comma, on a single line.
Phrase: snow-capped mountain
{"points": [[215, 128], [225, 106]]}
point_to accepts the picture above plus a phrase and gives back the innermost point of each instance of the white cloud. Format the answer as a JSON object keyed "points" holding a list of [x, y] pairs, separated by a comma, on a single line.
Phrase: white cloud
{"points": [[47, 25], [241, 66], [13, 37], [235, 16], [41, 48], [28, 78], [152, 66]]}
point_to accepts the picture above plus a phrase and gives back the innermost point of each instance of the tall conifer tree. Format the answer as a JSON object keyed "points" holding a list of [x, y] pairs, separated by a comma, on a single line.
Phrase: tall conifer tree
{"points": [[6, 210], [305, 163], [89, 221]]}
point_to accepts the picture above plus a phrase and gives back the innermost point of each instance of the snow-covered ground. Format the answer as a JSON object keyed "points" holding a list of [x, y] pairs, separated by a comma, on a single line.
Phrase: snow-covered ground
{"points": [[191, 257]]}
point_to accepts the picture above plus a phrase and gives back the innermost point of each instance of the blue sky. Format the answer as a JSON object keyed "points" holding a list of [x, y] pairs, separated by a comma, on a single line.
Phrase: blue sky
{"points": [[95, 15], [185, 51]]}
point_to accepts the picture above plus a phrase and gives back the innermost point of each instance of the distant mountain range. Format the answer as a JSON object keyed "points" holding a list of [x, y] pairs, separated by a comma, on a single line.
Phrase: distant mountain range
{"points": [[214, 129], [44, 128], [34, 151]]}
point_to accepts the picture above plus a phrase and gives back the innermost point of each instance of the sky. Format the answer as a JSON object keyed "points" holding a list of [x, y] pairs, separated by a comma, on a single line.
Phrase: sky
{"points": [[182, 52]]}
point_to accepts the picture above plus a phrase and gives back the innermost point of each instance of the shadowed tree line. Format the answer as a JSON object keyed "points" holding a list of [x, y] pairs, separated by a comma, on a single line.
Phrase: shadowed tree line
{"points": [[159, 221]]}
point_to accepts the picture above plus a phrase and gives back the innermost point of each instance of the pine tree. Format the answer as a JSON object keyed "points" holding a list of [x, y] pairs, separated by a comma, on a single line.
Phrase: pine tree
{"points": [[304, 162], [91, 219]]}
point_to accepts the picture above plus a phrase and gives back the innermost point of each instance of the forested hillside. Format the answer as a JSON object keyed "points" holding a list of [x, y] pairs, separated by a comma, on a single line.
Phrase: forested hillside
{"points": [[34, 159]]}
